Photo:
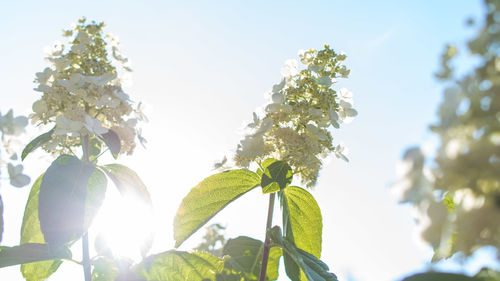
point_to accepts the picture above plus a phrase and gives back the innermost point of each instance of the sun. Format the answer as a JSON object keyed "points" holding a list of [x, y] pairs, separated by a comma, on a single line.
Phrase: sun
{"points": [[124, 225]]}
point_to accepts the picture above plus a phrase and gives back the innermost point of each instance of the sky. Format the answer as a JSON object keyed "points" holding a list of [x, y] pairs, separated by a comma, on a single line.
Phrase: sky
{"points": [[202, 67]]}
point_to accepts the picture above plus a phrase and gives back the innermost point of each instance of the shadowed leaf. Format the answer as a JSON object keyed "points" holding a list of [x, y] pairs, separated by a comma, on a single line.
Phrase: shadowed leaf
{"points": [[36, 143], [31, 252]]}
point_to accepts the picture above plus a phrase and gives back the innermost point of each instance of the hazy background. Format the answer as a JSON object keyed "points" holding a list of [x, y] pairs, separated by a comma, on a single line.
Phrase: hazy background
{"points": [[202, 67]]}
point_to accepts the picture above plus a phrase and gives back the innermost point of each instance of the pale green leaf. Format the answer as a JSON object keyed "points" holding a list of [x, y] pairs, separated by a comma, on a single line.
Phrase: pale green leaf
{"points": [[305, 219], [31, 252], [177, 265], [208, 198], [31, 233]]}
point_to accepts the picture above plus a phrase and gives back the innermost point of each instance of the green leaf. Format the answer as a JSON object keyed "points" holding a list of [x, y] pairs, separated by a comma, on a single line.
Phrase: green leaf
{"points": [[312, 268], [1, 218], [178, 265], [245, 256], [129, 183], [304, 219], [112, 140], [36, 143], [440, 276], [62, 198], [208, 198], [31, 233], [31, 252], [276, 176]]}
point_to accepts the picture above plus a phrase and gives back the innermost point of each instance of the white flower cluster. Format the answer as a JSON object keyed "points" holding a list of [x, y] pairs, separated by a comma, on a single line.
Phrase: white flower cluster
{"points": [[301, 109], [458, 199], [11, 127], [82, 94]]}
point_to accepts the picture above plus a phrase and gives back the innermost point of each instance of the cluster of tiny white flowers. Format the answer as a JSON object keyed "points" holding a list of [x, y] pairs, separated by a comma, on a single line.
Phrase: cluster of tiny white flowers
{"points": [[82, 93], [301, 109], [458, 198], [12, 127]]}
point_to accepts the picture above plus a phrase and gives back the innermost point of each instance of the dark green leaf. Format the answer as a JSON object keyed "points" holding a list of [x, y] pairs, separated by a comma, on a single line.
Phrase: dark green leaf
{"points": [[312, 268], [31, 252], [177, 265], [277, 175], [208, 198], [36, 143], [263, 165], [112, 140], [440, 276], [129, 183], [245, 256]]}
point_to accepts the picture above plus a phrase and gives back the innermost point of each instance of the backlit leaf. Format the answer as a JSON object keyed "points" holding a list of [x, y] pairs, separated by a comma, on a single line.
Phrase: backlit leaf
{"points": [[178, 265], [208, 198]]}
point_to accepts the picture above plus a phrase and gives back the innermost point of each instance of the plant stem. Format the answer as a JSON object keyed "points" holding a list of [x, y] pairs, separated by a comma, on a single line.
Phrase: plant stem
{"points": [[85, 238], [267, 243]]}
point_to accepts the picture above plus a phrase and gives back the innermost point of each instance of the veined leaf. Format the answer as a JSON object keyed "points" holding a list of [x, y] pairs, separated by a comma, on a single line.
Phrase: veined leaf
{"points": [[312, 268], [305, 219], [303, 226], [178, 265], [36, 143], [208, 198], [31, 252], [245, 256], [276, 176], [62, 199]]}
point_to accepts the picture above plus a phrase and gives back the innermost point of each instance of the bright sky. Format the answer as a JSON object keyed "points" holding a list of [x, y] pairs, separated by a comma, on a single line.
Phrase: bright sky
{"points": [[202, 67]]}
